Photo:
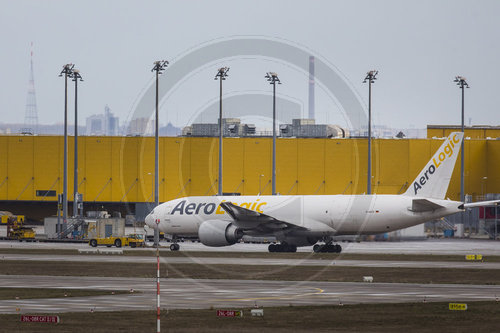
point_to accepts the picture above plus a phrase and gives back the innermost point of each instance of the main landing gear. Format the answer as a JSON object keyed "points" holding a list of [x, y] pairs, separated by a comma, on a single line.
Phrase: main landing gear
{"points": [[283, 247], [330, 248]]}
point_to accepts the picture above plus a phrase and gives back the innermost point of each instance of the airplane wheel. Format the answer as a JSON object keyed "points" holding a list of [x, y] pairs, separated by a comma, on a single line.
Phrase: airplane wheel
{"points": [[174, 247], [338, 248], [272, 248], [317, 248]]}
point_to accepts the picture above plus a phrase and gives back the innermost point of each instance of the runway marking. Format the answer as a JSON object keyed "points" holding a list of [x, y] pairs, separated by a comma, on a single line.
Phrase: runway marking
{"points": [[318, 292]]}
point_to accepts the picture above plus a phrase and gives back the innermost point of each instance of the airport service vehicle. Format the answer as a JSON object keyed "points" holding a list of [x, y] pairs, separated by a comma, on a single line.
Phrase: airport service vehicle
{"points": [[133, 240], [305, 220], [16, 229]]}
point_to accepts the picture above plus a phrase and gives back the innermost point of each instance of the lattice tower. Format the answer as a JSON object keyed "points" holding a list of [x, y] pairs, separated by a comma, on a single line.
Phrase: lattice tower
{"points": [[31, 113]]}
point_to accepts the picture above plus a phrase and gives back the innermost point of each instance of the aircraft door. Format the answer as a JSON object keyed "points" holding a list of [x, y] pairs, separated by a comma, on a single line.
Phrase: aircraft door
{"points": [[166, 216]]}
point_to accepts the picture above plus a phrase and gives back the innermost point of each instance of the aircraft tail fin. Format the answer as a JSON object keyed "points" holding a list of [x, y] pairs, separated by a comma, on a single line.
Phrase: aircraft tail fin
{"points": [[433, 180]]}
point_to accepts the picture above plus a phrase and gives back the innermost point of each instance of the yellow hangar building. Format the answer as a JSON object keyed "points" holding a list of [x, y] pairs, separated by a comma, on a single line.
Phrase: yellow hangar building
{"points": [[117, 173]]}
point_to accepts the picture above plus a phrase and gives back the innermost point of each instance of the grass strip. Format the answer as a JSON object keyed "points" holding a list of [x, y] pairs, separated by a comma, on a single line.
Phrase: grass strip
{"points": [[387, 318], [254, 272], [31, 293]]}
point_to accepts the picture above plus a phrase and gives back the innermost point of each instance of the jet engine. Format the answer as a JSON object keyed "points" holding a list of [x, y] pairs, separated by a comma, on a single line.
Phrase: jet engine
{"points": [[218, 233]]}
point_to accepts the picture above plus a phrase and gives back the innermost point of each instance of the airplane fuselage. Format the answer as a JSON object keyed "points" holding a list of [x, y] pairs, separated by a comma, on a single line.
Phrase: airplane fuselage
{"points": [[320, 215], [301, 220]]}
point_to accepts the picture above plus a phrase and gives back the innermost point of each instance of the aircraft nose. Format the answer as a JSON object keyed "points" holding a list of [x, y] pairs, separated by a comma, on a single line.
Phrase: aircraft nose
{"points": [[150, 221]]}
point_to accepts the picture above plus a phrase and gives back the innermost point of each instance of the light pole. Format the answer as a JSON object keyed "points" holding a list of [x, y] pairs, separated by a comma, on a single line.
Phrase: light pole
{"points": [[273, 79], [221, 76], [462, 83], [157, 282], [76, 77], [370, 77], [158, 67], [496, 220], [66, 71]]}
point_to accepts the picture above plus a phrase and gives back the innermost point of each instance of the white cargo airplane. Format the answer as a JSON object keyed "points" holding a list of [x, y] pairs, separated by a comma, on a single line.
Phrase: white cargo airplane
{"points": [[303, 220]]}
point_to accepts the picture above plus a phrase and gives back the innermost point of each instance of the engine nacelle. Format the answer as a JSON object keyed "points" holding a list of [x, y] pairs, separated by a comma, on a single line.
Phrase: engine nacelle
{"points": [[218, 233]]}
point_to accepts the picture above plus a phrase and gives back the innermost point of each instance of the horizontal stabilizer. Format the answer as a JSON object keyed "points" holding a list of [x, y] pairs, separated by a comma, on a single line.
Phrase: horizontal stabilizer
{"points": [[481, 203], [424, 205]]}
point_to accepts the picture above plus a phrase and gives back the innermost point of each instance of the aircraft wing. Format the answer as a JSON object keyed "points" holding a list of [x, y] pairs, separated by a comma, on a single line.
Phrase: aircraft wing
{"points": [[250, 219], [424, 205], [481, 203]]}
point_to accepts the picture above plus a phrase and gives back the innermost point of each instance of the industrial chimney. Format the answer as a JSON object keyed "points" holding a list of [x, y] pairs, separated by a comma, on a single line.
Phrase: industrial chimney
{"points": [[311, 87]]}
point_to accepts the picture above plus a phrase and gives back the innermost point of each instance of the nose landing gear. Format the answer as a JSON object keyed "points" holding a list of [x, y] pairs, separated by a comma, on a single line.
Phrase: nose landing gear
{"points": [[174, 247]]}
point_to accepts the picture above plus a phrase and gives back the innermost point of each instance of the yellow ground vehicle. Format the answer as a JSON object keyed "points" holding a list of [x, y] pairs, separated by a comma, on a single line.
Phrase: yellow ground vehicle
{"points": [[15, 228], [133, 240]]}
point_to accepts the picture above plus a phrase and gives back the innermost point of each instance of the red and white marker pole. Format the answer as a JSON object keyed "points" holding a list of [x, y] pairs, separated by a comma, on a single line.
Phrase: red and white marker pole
{"points": [[157, 284]]}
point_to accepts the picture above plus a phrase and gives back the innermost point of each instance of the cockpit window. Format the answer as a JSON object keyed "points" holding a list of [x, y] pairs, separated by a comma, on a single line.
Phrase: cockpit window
{"points": [[152, 212]]}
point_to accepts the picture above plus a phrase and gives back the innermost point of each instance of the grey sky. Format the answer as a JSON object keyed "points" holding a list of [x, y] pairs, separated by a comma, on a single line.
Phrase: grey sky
{"points": [[417, 46]]}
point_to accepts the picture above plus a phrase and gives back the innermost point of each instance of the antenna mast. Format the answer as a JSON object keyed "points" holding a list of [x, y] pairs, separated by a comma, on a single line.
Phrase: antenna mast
{"points": [[31, 114]]}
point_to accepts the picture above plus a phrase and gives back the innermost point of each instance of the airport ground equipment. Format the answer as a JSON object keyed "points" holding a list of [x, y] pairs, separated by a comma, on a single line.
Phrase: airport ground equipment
{"points": [[97, 226], [16, 229], [133, 240], [4, 216]]}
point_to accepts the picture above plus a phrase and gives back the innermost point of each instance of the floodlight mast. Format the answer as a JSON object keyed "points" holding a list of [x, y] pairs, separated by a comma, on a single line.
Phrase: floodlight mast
{"points": [[221, 76], [76, 76], [66, 72], [462, 83], [370, 78], [273, 78], [159, 67]]}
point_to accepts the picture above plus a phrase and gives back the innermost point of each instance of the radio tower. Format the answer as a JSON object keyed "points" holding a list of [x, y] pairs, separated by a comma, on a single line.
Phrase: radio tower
{"points": [[31, 114]]}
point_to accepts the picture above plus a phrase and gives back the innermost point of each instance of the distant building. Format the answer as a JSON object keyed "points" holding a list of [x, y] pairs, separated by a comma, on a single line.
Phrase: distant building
{"points": [[141, 126], [103, 124], [300, 128], [230, 127], [307, 128], [473, 132]]}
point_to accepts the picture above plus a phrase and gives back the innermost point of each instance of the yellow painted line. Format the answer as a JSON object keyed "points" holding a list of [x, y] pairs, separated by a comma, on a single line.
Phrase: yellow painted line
{"points": [[319, 291]]}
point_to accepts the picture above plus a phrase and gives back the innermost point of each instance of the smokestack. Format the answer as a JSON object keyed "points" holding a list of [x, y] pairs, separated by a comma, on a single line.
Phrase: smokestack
{"points": [[311, 87]]}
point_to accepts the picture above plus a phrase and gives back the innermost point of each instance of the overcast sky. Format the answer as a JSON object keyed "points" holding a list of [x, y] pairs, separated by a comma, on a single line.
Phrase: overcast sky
{"points": [[417, 46]]}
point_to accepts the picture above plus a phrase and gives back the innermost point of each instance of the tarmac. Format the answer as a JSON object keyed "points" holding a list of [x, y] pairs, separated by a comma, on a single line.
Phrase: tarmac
{"points": [[198, 294], [212, 293]]}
